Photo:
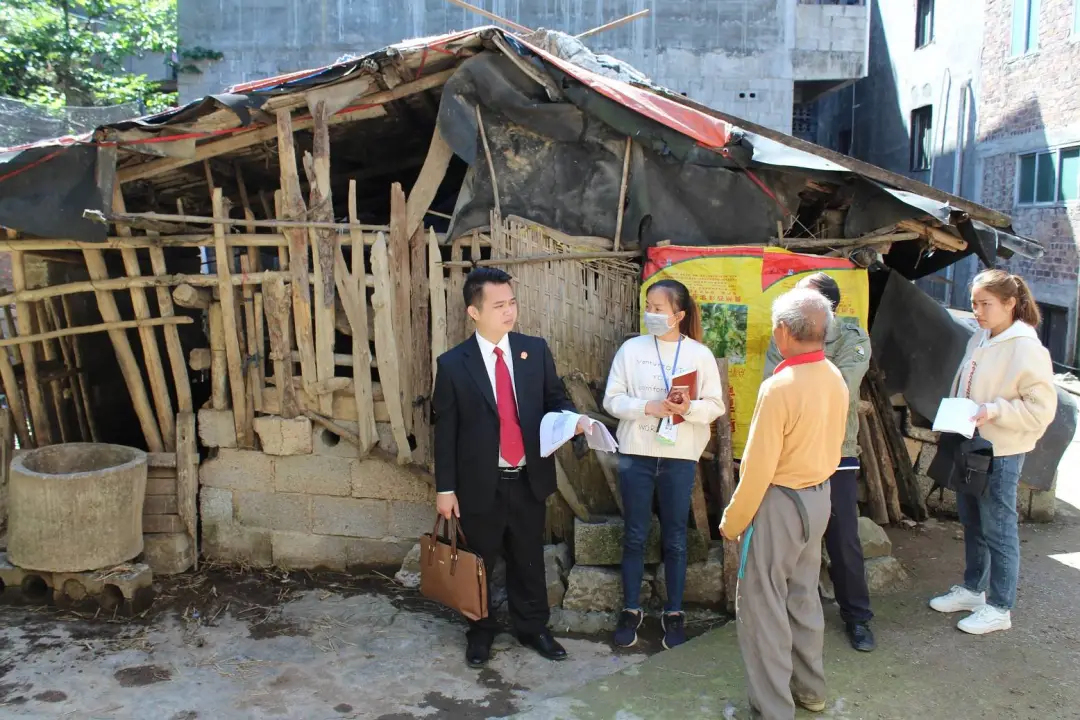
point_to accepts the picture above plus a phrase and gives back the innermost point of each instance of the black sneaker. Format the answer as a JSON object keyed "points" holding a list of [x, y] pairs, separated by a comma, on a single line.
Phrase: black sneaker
{"points": [[674, 625], [626, 631]]}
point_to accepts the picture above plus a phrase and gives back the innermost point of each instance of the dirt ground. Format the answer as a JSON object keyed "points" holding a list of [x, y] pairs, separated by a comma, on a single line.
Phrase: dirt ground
{"points": [[227, 643]]}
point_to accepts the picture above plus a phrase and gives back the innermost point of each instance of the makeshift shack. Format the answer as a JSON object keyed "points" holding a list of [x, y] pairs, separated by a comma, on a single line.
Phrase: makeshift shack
{"points": [[278, 266]]}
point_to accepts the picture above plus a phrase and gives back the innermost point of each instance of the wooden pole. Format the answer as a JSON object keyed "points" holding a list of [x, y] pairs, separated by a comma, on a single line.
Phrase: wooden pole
{"points": [[14, 400], [126, 219], [219, 366], [875, 496], [333, 427], [437, 287], [420, 351], [187, 476], [490, 162], [622, 194], [317, 166], [277, 320], [118, 325], [76, 348], [491, 16], [25, 326], [612, 25], [293, 206], [386, 345], [78, 398], [55, 387], [175, 350], [155, 369], [253, 356], [726, 471], [233, 356], [907, 485], [545, 258], [361, 342], [427, 183], [129, 367], [888, 478], [399, 260]]}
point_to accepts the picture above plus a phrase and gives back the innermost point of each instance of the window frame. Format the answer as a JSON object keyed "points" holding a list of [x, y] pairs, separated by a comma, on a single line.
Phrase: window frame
{"points": [[914, 150], [1055, 153], [1031, 9], [924, 34], [1076, 19]]}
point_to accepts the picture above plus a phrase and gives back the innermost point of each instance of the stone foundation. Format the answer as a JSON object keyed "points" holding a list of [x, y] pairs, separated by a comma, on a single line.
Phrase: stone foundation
{"points": [[313, 504]]}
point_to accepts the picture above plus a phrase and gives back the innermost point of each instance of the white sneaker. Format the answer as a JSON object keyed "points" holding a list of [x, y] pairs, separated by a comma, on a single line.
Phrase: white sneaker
{"points": [[959, 599], [986, 619]]}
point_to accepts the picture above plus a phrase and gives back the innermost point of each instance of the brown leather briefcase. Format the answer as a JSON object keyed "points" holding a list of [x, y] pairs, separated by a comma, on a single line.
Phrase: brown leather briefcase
{"points": [[451, 575]]}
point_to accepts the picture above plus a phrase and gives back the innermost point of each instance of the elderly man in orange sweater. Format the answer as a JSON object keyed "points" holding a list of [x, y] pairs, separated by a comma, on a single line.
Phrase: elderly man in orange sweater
{"points": [[781, 508]]}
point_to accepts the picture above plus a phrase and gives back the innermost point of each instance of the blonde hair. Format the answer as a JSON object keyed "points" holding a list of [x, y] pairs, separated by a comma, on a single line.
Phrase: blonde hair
{"points": [[1005, 286]]}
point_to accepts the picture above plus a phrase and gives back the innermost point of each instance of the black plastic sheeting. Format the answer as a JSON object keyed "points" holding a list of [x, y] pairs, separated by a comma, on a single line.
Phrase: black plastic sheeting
{"points": [[919, 346], [560, 164], [46, 196]]}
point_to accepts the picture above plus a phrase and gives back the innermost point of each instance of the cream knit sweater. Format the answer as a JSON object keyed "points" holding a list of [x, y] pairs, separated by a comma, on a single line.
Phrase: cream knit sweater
{"points": [[636, 378], [1014, 378]]}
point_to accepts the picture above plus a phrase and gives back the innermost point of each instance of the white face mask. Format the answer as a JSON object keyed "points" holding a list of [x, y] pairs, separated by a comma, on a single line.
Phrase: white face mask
{"points": [[657, 323]]}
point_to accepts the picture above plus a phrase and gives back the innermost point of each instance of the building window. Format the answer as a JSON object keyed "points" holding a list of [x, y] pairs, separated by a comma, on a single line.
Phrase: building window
{"points": [[924, 23], [1025, 26], [1076, 17], [921, 134], [1054, 330], [1049, 177]]}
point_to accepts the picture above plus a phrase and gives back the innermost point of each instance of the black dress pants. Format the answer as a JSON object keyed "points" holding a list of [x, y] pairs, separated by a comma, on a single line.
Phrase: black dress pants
{"points": [[846, 568], [512, 529]]}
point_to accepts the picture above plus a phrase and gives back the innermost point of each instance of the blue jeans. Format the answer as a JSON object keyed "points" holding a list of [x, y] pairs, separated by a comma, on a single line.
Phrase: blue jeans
{"points": [[673, 481], [991, 534]]}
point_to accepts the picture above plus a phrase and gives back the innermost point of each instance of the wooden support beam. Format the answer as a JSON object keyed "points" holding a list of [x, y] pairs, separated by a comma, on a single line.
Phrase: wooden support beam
{"points": [[78, 398], [253, 353], [55, 386], [25, 326], [219, 366], [292, 207], [90, 329], [427, 183], [420, 351], [437, 287], [620, 211], [935, 236], [317, 166], [190, 297], [698, 509], [386, 345], [13, 394], [361, 347], [129, 367], [398, 256], [277, 320], [492, 16], [187, 476], [907, 484], [199, 359], [175, 350], [155, 369], [871, 468], [84, 385], [490, 161], [725, 467], [234, 358], [613, 24], [455, 302]]}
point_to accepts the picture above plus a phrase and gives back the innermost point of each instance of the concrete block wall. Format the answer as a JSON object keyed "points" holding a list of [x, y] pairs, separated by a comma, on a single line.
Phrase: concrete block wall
{"points": [[831, 42], [311, 511]]}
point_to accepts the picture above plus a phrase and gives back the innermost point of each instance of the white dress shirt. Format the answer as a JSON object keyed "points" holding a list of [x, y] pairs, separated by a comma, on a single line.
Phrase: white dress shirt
{"points": [[487, 352]]}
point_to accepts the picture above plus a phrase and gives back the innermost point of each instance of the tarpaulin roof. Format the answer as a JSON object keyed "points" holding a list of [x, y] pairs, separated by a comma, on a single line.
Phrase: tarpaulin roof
{"points": [[698, 158]]}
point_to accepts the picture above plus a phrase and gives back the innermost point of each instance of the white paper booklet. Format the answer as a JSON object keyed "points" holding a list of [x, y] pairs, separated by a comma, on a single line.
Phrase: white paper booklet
{"points": [[557, 428], [955, 415]]}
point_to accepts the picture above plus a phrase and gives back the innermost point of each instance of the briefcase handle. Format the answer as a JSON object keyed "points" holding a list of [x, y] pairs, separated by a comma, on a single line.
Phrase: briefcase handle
{"points": [[453, 531]]}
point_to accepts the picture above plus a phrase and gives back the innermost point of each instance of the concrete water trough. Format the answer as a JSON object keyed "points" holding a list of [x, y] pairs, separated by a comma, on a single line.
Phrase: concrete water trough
{"points": [[76, 507]]}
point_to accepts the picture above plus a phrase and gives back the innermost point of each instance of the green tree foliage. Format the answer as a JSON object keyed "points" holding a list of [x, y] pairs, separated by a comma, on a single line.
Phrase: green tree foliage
{"points": [[71, 52], [724, 327]]}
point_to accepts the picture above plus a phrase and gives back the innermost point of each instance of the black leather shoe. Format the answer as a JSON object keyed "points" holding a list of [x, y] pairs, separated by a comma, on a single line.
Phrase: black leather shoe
{"points": [[543, 643], [478, 650], [861, 637]]}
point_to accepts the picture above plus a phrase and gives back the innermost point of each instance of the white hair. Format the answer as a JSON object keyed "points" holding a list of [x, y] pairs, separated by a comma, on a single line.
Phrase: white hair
{"points": [[806, 314]]}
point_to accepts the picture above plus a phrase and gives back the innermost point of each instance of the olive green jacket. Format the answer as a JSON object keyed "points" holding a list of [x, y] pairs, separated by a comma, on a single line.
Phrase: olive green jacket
{"points": [[847, 346]]}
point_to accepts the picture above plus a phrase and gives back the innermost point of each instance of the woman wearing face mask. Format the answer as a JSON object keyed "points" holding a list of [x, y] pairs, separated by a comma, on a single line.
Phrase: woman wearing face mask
{"points": [[657, 455], [1008, 373]]}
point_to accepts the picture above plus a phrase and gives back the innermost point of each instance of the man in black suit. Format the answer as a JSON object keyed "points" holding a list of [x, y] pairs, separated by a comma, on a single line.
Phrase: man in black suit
{"points": [[491, 392]]}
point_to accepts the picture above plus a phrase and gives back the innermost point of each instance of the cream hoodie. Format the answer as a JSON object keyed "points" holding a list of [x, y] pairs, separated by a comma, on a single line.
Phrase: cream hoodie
{"points": [[636, 378], [1014, 379]]}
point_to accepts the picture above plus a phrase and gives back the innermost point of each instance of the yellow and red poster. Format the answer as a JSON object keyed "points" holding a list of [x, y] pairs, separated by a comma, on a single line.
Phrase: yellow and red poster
{"points": [[735, 287]]}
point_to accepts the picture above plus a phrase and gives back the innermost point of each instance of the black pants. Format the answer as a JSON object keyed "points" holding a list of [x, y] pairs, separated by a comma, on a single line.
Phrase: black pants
{"points": [[513, 529], [846, 569]]}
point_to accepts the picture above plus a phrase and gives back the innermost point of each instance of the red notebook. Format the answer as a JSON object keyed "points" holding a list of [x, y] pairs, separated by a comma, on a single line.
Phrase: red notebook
{"points": [[687, 382]]}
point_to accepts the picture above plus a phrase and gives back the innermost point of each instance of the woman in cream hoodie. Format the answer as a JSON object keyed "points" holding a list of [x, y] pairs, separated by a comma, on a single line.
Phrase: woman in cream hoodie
{"points": [[1008, 373], [655, 455]]}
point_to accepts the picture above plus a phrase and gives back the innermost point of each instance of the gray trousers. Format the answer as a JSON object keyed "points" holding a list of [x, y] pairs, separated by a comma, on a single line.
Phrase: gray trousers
{"points": [[779, 619]]}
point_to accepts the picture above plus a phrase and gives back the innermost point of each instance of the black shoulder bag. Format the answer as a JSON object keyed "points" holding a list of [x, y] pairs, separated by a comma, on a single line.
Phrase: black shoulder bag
{"points": [[962, 465]]}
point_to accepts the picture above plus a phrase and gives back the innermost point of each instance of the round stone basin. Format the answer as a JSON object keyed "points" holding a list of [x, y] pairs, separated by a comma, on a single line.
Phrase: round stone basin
{"points": [[76, 507]]}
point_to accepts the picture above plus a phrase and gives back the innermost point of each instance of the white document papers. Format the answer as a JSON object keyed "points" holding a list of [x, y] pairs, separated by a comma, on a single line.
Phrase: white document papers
{"points": [[955, 415], [557, 428]]}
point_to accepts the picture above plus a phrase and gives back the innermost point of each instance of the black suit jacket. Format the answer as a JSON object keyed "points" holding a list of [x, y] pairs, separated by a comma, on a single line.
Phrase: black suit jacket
{"points": [[467, 419]]}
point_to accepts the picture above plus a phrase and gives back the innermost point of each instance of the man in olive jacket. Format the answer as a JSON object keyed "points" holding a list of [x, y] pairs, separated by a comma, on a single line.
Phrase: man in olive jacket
{"points": [[847, 346]]}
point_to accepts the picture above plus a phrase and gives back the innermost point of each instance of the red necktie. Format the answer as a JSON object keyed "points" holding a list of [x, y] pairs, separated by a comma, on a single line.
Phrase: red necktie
{"points": [[511, 443]]}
